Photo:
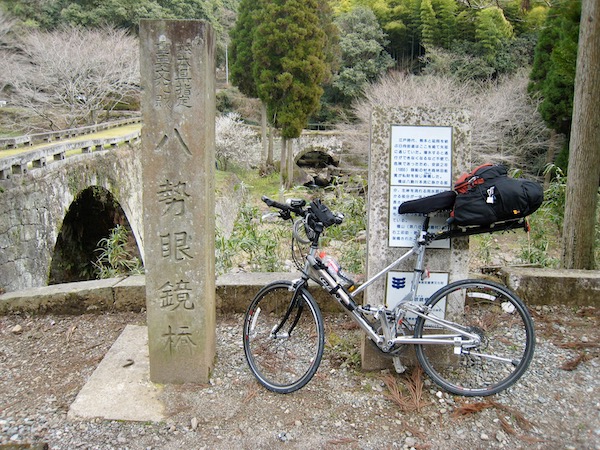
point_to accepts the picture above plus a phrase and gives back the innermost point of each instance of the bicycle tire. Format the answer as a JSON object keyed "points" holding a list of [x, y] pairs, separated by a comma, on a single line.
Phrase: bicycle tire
{"points": [[498, 317], [287, 360]]}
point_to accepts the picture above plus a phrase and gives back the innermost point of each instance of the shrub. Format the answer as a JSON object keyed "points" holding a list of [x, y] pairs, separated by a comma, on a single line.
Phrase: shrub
{"points": [[114, 259], [506, 126], [236, 142]]}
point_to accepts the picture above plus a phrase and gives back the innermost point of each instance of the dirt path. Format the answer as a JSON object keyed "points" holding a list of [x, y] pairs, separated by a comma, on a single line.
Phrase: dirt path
{"points": [[45, 360]]}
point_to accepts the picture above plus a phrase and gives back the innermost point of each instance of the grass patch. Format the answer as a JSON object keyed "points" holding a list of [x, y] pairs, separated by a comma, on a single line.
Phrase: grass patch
{"points": [[265, 245], [344, 350]]}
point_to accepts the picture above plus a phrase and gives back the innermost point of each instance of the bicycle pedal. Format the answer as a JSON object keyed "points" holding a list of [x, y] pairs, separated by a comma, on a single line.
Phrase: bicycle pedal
{"points": [[400, 368]]}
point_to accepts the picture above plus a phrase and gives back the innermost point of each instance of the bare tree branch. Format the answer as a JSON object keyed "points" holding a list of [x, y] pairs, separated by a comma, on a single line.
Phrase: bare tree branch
{"points": [[68, 75], [507, 127], [6, 57], [6, 24]]}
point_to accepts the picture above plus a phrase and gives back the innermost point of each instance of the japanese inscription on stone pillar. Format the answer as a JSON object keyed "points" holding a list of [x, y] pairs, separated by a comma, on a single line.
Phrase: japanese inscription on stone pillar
{"points": [[178, 106]]}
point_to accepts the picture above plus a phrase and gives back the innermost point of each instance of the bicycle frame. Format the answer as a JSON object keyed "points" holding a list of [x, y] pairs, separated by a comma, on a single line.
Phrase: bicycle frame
{"points": [[460, 338], [385, 319]]}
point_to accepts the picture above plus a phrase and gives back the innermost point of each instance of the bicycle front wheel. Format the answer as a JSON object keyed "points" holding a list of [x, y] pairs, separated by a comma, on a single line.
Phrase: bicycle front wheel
{"points": [[283, 337], [500, 321]]}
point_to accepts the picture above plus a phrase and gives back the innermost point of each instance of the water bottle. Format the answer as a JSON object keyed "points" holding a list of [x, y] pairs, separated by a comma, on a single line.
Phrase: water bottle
{"points": [[335, 270]]}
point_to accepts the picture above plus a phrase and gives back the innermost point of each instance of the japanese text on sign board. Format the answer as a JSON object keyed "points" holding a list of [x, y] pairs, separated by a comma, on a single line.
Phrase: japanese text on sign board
{"points": [[420, 165], [398, 286], [421, 156]]}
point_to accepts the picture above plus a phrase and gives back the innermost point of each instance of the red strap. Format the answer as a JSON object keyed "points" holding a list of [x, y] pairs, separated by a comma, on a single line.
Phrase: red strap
{"points": [[467, 180]]}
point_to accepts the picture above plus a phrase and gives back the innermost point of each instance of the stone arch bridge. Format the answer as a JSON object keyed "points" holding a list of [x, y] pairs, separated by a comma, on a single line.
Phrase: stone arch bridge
{"points": [[88, 190], [35, 204]]}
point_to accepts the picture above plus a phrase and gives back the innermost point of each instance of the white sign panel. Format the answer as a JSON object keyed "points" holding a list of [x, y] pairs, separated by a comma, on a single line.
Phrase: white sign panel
{"points": [[404, 228], [398, 287], [421, 156], [421, 165]]}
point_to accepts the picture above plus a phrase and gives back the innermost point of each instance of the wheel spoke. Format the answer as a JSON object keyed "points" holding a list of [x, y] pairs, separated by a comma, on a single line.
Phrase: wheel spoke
{"points": [[283, 337], [504, 344], [493, 357]]}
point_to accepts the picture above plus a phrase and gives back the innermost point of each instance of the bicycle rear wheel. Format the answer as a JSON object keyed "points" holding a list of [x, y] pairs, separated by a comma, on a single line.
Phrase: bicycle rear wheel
{"points": [[283, 337], [500, 320]]}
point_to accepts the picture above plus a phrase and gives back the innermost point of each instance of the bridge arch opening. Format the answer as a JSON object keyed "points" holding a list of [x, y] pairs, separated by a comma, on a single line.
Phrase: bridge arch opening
{"points": [[90, 218], [318, 165]]}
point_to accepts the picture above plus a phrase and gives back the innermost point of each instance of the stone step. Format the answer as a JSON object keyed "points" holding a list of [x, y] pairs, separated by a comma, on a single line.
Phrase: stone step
{"points": [[554, 286]]}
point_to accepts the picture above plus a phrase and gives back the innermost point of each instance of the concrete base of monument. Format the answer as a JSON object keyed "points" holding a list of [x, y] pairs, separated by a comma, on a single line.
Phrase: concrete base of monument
{"points": [[120, 387]]}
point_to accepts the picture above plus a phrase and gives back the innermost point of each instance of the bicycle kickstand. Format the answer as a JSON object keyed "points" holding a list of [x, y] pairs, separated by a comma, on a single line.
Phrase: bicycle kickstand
{"points": [[400, 368]]}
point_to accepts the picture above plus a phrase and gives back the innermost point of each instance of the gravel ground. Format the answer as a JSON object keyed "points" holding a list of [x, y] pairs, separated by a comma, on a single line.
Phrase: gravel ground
{"points": [[45, 360]]}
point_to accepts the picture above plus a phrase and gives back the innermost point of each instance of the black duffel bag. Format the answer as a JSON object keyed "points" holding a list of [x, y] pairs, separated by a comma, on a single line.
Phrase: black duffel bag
{"points": [[487, 195]]}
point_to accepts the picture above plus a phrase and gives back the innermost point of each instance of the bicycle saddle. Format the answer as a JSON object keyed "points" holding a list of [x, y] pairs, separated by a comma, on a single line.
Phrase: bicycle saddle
{"points": [[443, 201]]}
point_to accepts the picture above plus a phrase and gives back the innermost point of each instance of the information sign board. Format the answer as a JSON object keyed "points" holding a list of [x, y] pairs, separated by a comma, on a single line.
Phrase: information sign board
{"points": [[420, 165]]}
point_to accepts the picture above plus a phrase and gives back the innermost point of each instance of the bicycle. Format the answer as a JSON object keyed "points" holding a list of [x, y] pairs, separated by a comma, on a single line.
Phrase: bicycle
{"points": [[472, 337]]}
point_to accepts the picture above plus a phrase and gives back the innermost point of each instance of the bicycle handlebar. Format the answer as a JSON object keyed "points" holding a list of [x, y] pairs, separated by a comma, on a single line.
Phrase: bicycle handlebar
{"points": [[275, 204], [318, 210]]}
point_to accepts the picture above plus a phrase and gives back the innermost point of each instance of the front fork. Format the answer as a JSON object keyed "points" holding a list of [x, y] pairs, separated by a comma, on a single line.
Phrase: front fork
{"points": [[297, 300]]}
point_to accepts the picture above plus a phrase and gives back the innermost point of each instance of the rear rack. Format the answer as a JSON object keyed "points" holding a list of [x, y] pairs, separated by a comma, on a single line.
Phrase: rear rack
{"points": [[459, 231]]}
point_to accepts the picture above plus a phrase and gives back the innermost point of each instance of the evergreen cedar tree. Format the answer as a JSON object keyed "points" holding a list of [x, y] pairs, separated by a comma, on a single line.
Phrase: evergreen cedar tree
{"points": [[278, 54]]}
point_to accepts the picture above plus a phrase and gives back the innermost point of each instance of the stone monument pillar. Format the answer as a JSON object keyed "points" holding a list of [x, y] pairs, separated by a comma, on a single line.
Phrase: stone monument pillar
{"points": [[414, 153], [178, 161]]}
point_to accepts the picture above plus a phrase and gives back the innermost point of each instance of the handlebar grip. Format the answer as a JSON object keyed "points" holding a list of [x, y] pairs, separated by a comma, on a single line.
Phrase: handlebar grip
{"points": [[275, 204]]}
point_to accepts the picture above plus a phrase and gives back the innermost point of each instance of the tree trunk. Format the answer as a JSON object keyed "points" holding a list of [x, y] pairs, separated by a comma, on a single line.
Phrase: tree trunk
{"points": [[270, 151], [583, 171], [282, 162], [290, 163], [263, 130]]}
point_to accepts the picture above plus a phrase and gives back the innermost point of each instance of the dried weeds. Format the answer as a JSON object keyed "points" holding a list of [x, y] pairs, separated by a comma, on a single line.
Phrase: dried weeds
{"points": [[472, 408], [406, 392], [572, 364], [341, 441], [579, 345], [251, 392]]}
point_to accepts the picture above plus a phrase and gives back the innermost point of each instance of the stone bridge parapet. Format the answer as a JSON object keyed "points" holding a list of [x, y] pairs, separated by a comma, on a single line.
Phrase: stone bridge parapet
{"points": [[49, 136], [19, 164], [235, 291]]}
